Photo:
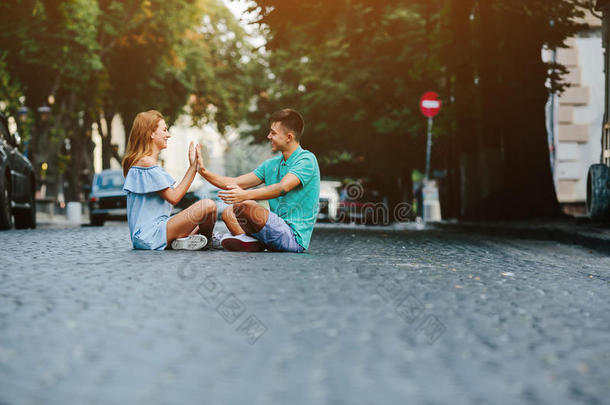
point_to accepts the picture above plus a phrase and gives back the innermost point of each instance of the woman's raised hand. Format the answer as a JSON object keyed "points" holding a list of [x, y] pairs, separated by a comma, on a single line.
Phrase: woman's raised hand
{"points": [[193, 153]]}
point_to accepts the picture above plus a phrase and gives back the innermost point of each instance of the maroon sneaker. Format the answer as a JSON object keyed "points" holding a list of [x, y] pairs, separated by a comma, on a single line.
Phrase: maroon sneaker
{"points": [[242, 243]]}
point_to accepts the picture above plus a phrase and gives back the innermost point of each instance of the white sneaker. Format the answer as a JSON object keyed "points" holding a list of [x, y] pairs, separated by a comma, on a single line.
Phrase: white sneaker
{"points": [[191, 242], [242, 243], [215, 243]]}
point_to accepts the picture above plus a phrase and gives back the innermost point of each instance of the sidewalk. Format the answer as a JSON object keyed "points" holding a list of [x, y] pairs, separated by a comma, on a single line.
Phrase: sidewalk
{"points": [[574, 231], [59, 221], [44, 220]]}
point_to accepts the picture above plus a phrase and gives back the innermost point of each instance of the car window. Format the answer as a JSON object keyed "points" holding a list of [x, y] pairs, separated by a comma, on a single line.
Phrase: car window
{"points": [[109, 181]]}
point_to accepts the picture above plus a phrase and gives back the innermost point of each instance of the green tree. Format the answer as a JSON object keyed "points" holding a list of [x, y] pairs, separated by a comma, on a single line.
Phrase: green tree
{"points": [[356, 69], [172, 55], [106, 57], [50, 49]]}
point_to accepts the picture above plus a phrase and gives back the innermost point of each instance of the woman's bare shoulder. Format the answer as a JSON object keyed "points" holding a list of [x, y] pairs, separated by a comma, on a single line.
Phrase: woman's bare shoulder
{"points": [[146, 161]]}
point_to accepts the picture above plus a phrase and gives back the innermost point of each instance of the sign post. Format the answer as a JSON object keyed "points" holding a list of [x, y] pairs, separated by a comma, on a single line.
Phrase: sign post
{"points": [[430, 105], [428, 148]]}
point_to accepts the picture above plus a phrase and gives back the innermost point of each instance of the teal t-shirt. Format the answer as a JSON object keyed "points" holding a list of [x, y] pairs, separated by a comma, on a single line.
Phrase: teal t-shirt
{"points": [[299, 207]]}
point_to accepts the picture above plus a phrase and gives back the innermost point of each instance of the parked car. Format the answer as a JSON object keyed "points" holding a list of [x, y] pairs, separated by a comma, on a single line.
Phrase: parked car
{"points": [[107, 199], [362, 205], [17, 183], [329, 200]]}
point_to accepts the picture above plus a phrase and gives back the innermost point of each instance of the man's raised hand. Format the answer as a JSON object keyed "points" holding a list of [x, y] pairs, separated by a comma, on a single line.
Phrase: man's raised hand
{"points": [[200, 166]]}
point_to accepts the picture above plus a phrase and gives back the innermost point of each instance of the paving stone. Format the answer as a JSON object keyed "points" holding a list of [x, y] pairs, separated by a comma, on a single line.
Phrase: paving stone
{"points": [[367, 316]]}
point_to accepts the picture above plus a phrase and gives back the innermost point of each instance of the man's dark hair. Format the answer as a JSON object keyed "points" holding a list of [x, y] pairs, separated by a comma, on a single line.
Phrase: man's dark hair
{"points": [[291, 120]]}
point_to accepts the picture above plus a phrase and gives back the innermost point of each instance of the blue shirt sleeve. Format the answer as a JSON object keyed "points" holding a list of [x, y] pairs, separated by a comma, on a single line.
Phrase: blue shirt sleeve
{"points": [[144, 180], [260, 170], [304, 168]]}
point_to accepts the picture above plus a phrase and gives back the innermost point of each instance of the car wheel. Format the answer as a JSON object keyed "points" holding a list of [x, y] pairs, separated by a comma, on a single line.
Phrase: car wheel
{"points": [[26, 219], [598, 192], [6, 214], [97, 220]]}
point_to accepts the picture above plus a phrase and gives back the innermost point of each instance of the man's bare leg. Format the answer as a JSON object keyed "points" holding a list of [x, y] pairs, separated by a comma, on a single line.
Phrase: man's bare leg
{"points": [[244, 218], [250, 216], [228, 217]]}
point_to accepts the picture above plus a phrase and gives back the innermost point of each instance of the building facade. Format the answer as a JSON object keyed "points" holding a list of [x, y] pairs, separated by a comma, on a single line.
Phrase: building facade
{"points": [[575, 117]]}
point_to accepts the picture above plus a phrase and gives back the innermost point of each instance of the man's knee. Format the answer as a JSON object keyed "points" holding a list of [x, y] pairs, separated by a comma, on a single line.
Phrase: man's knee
{"points": [[227, 213], [243, 207]]}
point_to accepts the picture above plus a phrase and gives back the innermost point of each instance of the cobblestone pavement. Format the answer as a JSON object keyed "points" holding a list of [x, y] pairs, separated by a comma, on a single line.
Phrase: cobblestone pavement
{"points": [[366, 317]]}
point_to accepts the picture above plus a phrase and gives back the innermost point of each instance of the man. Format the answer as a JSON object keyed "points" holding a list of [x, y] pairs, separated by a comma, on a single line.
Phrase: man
{"points": [[292, 187]]}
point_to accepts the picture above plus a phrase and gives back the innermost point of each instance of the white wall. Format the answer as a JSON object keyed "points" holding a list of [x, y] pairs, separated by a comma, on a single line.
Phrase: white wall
{"points": [[591, 57], [574, 158]]}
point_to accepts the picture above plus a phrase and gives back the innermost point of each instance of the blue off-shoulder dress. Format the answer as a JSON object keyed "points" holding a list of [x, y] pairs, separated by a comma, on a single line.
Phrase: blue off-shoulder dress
{"points": [[147, 211]]}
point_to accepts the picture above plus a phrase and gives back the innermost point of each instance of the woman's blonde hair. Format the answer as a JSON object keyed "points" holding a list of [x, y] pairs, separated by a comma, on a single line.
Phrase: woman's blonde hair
{"points": [[139, 144]]}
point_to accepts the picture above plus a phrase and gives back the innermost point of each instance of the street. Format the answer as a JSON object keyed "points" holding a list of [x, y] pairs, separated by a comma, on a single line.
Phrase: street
{"points": [[367, 316]]}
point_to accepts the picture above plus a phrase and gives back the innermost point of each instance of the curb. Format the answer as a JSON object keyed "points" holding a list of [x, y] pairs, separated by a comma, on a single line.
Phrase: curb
{"points": [[570, 236]]}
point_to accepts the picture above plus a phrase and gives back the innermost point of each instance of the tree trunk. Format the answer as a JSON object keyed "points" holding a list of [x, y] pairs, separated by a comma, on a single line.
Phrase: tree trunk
{"points": [[491, 94], [404, 187], [109, 151], [80, 153], [451, 207], [528, 183], [466, 128], [105, 145]]}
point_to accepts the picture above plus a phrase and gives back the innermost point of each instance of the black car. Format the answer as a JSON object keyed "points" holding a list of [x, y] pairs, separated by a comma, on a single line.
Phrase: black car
{"points": [[107, 199], [17, 183]]}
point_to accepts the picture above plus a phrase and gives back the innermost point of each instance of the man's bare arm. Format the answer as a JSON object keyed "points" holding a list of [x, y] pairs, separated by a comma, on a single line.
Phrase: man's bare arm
{"points": [[236, 194], [244, 181]]}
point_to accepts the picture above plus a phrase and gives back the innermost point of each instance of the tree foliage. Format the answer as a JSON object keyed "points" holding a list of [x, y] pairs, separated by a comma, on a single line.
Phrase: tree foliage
{"points": [[105, 57], [357, 68]]}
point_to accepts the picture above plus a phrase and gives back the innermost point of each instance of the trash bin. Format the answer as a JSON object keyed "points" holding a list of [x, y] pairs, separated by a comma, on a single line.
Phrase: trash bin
{"points": [[74, 212]]}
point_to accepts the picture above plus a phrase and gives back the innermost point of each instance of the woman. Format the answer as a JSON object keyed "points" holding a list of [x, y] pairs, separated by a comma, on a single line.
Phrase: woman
{"points": [[150, 192]]}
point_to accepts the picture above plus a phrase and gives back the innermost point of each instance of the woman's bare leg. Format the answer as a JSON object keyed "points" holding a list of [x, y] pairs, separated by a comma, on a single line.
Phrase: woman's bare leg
{"points": [[206, 227], [200, 216]]}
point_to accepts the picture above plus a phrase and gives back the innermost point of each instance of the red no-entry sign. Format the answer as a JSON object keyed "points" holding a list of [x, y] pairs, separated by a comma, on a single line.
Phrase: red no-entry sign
{"points": [[430, 104]]}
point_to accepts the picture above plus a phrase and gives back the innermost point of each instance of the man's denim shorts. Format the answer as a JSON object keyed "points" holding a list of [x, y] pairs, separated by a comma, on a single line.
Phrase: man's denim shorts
{"points": [[278, 236]]}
